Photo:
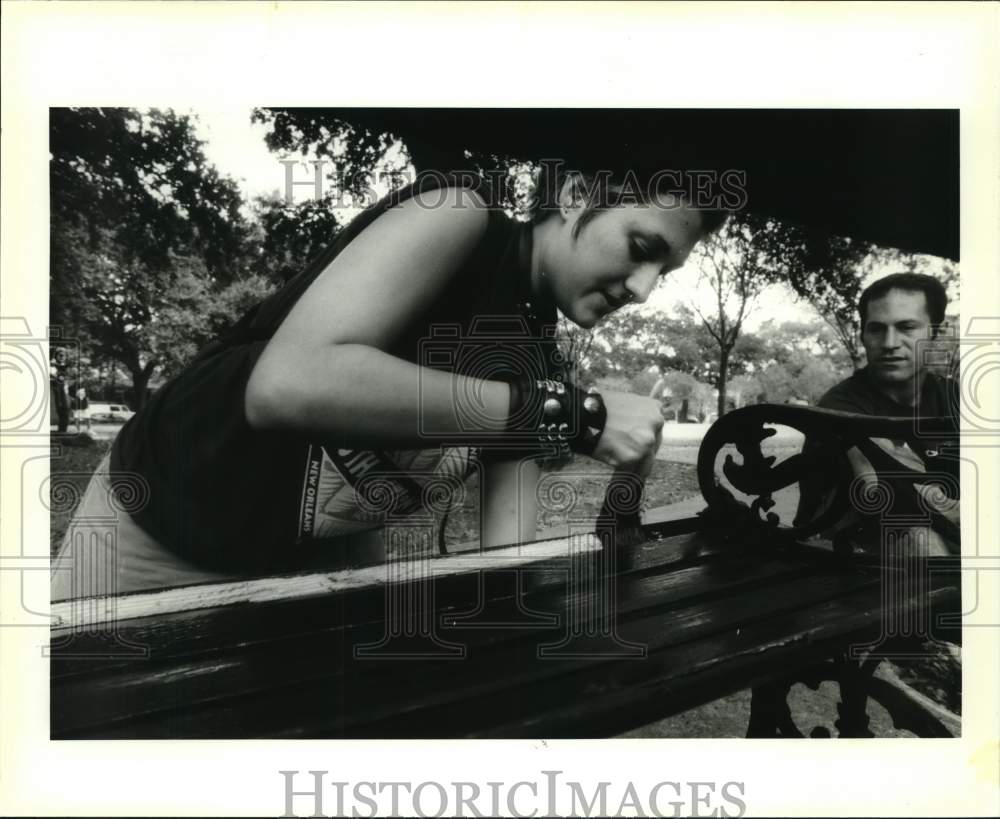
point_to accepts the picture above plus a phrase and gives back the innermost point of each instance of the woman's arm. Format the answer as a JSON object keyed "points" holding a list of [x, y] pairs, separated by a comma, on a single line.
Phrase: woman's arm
{"points": [[325, 370], [510, 502]]}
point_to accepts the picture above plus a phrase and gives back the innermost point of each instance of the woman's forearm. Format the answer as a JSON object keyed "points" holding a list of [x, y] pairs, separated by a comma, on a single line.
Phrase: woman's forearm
{"points": [[365, 397], [510, 501]]}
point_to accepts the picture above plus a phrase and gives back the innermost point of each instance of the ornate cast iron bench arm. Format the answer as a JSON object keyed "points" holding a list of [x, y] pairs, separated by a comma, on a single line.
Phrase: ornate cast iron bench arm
{"points": [[860, 674]]}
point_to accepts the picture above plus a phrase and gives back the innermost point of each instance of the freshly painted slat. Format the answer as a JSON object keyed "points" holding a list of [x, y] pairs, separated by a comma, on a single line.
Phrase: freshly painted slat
{"points": [[386, 687], [77, 614], [91, 649]]}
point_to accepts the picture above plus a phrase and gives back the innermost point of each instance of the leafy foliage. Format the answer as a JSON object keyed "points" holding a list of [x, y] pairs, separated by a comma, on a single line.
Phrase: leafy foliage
{"points": [[148, 318], [290, 235], [145, 177], [830, 273], [366, 151], [152, 254], [360, 148], [683, 396], [676, 358], [734, 263], [145, 234]]}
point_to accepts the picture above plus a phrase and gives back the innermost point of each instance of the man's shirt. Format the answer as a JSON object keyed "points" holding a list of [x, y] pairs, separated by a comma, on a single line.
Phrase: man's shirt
{"points": [[938, 397], [920, 451]]}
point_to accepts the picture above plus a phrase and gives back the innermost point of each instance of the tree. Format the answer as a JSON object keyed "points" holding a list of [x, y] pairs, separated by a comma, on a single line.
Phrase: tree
{"points": [[943, 269], [831, 272], [634, 345], [681, 392], [624, 344], [145, 177], [792, 361], [290, 235], [834, 290], [801, 376], [116, 300], [748, 388], [642, 382], [361, 144], [149, 318], [369, 149], [817, 338], [143, 230], [733, 264], [196, 314]]}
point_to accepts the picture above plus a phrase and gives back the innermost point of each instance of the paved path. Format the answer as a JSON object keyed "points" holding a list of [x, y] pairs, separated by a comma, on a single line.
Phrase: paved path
{"points": [[681, 442], [99, 432]]}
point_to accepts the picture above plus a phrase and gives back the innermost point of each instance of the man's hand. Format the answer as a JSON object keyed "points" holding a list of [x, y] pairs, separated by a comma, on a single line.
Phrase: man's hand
{"points": [[948, 508], [937, 501]]}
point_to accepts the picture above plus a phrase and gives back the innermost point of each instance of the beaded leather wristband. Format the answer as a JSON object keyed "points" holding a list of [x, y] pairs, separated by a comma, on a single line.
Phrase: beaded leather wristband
{"points": [[560, 415]]}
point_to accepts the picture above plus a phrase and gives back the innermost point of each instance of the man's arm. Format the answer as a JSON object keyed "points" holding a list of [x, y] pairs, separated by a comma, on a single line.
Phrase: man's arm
{"points": [[923, 540], [813, 497]]}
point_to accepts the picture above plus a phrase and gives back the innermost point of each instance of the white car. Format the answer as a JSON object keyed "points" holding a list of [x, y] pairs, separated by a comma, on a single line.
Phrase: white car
{"points": [[107, 412]]}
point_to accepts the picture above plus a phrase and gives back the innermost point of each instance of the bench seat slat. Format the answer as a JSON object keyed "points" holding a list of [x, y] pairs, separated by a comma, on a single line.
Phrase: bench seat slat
{"points": [[689, 675], [207, 629], [298, 683]]}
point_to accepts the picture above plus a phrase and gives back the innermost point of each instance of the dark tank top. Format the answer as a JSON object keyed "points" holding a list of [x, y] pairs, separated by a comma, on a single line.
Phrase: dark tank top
{"points": [[229, 497]]}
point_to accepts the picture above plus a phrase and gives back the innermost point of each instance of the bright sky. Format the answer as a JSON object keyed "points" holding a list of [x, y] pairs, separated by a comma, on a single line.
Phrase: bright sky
{"points": [[775, 302], [236, 147]]}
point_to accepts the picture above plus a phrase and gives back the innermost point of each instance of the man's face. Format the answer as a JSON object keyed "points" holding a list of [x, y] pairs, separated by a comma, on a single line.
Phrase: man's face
{"points": [[894, 324]]}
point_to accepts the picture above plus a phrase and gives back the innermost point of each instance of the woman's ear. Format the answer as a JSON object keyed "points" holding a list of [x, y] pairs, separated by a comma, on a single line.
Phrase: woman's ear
{"points": [[570, 195]]}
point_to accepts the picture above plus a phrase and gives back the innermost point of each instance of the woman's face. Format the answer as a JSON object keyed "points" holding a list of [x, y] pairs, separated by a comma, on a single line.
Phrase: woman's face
{"points": [[617, 257]]}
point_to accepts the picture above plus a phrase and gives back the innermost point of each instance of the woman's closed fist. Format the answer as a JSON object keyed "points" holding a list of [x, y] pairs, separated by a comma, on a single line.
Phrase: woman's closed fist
{"points": [[632, 432]]}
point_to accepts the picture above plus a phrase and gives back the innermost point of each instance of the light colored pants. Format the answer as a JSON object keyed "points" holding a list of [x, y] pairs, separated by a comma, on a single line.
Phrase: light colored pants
{"points": [[105, 552]]}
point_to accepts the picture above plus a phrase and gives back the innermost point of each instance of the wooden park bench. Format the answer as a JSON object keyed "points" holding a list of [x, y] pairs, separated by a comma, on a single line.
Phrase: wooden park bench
{"points": [[590, 635]]}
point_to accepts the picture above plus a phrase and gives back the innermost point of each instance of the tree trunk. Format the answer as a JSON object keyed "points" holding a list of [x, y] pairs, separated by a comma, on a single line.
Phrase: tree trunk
{"points": [[61, 404], [723, 378], [140, 381]]}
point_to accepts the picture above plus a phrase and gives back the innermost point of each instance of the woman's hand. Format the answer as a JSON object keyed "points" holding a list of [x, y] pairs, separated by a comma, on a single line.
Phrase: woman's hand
{"points": [[632, 432]]}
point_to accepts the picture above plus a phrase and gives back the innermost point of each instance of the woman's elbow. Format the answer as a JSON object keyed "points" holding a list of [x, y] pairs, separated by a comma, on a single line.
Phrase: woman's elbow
{"points": [[273, 393], [260, 401]]}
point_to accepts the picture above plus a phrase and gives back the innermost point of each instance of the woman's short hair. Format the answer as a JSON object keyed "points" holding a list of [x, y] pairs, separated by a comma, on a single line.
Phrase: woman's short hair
{"points": [[933, 290], [601, 190]]}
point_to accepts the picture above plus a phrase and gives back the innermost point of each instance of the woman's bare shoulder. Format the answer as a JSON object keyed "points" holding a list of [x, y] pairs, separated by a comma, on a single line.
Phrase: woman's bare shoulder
{"points": [[391, 271], [458, 209]]}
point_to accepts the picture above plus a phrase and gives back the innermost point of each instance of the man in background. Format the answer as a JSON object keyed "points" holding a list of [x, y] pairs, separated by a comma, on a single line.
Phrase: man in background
{"points": [[899, 315]]}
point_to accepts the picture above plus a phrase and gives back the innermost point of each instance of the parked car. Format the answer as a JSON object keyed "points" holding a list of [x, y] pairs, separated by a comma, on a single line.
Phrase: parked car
{"points": [[107, 412]]}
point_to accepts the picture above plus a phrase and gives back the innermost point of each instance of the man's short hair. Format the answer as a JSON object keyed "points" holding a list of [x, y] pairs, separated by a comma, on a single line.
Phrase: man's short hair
{"points": [[933, 290]]}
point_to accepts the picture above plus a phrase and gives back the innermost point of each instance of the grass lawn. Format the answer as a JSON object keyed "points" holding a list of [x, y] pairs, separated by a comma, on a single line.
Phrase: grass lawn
{"points": [[668, 483], [71, 468]]}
